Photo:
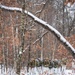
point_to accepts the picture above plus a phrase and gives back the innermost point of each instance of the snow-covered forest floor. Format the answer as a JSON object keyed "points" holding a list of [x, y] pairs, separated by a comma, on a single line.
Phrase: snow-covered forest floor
{"points": [[38, 71]]}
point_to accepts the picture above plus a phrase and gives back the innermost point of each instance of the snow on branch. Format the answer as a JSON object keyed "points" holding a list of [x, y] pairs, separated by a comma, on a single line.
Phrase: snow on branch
{"points": [[44, 24], [38, 11], [40, 4]]}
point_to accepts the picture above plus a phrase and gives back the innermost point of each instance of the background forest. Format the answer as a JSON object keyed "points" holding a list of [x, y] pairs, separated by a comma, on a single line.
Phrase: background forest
{"points": [[22, 40]]}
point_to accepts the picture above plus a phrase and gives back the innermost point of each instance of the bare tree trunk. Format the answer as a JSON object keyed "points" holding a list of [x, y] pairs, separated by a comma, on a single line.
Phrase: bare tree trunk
{"points": [[42, 51], [3, 49], [29, 51], [14, 52], [22, 35], [54, 49], [63, 19], [7, 54]]}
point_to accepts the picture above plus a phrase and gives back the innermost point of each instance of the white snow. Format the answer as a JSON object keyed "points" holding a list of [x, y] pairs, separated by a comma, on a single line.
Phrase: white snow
{"points": [[69, 5], [20, 52], [70, 9], [38, 71], [40, 4]]}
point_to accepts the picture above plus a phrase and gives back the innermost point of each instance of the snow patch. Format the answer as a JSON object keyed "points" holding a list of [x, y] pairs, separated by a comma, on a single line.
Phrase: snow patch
{"points": [[70, 9]]}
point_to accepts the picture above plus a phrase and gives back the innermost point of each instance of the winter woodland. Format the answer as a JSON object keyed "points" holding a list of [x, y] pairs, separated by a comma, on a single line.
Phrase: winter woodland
{"points": [[37, 37]]}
